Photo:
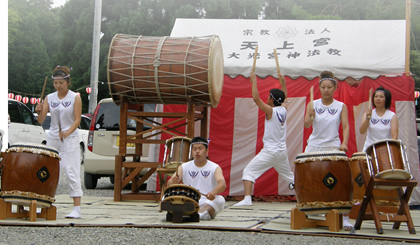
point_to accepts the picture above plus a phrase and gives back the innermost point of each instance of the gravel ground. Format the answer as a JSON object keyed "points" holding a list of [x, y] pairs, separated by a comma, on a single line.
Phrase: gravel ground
{"points": [[110, 235]]}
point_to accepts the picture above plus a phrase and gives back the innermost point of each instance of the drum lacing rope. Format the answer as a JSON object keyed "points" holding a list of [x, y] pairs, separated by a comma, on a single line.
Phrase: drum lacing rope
{"points": [[133, 55], [185, 68], [156, 64]]}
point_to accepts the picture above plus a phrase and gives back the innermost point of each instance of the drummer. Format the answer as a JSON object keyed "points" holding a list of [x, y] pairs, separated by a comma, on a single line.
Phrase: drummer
{"points": [[325, 116], [379, 123], [274, 152], [204, 175], [65, 107]]}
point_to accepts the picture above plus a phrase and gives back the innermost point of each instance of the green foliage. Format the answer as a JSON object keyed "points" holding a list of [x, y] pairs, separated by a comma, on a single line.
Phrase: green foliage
{"points": [[41, 37]]}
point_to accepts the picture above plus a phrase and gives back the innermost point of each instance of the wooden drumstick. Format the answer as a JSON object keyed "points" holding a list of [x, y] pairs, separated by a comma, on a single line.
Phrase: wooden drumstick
{"points": [[43, 88], [370, 101], [255, 58], [311, 94], [277, 61]]}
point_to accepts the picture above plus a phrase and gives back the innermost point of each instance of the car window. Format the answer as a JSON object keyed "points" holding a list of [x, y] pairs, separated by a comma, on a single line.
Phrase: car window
{"points": [[84, 123], [27, 116], [14, 113]]}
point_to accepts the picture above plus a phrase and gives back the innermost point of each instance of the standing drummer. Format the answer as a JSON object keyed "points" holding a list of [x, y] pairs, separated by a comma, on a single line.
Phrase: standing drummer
{"points": [[325, 116], [65, 107], [204, 175], [379, 123], [274, 152]]}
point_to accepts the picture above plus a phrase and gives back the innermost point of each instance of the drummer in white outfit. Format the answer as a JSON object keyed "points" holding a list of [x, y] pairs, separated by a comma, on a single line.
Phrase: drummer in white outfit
{"points": [[274, 152], [204, 175], [379, 123], [65, 107], [325, 116]]}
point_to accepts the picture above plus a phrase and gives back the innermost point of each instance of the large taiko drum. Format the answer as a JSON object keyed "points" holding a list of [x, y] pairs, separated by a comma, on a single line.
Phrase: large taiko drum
{"points": [[180, 194], [30, 172], [323, 182], [166, 70], [177, 151], [382, 197], [388, 160]]}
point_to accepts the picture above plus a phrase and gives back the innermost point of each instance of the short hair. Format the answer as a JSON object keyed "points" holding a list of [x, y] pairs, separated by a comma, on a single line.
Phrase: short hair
{"points": [[278, 96], [200, 140], [61, 72], [388, 97]]}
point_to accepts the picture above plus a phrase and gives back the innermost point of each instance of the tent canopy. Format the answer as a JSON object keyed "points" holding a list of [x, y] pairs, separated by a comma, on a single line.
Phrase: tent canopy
{"points": [[349, 48]]}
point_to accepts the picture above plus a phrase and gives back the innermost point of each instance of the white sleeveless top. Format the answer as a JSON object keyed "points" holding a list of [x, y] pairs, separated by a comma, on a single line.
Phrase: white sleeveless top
{"points": [[200, 178], [379, 128], [62, 110], [274, 138], [326, 124]]}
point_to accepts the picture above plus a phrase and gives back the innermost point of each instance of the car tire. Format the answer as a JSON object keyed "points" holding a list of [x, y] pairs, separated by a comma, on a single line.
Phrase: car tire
{"points": [[82, 154], [91, 181]]}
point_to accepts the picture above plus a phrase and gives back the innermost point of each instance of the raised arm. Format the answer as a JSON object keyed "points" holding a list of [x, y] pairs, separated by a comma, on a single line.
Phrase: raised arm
{"points": [[256, 97]]}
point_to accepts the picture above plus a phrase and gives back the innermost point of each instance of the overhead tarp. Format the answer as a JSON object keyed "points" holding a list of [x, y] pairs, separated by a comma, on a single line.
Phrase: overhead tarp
{"points": [[236, 126], [353, 48]]}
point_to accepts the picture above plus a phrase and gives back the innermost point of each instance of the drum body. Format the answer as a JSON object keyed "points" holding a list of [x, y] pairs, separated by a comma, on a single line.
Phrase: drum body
{"points": [[323, 182], [389, 160], [181, 194], [166, 70], [382, 197], [177, 151], [30, 172]]}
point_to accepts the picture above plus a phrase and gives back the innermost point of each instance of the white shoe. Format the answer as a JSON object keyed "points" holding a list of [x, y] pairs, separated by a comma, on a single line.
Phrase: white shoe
{"points": [[243, 203], [346, 223], [75, 214]]}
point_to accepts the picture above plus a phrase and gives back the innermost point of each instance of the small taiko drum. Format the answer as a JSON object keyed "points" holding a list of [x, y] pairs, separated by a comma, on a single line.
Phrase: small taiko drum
{"points": [[388, 160], [177, 151], [180, 194], [323, 182], [166, 70], [382, 197], [30, 172]]}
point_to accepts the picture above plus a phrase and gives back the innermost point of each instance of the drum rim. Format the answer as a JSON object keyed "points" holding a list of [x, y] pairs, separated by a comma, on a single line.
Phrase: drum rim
{"points": [[370, 147], [40, 147], [321, 154], [214, 100], [178, 137]]}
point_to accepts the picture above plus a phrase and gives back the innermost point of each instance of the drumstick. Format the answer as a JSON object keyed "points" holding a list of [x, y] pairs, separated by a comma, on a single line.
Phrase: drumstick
{"points": [[255, 58], [43, 88], [311, 93], [370, 101], [277, 61]]}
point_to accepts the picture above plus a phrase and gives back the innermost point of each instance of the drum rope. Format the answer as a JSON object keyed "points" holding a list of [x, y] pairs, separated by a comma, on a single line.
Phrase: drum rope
{"points": [[156, 64], [132, 63], [185, 69]]}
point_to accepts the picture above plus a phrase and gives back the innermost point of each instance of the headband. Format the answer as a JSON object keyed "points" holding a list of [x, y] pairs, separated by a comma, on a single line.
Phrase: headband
{"points": [[201, 142], [66, 76], [278, 100], [328, 78]]}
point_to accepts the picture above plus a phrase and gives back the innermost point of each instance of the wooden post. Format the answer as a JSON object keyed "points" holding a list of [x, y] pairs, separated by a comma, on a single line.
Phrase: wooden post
{"points": [[407, 36]]}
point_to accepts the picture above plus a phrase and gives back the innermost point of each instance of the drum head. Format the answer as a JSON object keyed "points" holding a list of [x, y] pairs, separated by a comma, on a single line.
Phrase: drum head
{"points": [[216, 72], [380, 142]]}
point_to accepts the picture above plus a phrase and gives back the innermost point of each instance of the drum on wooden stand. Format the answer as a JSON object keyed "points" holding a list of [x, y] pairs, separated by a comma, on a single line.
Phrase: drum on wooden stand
{"points": [[388, 161], [30, 172], [382, 197], [166, 70], [323, 182], [177, 152]]}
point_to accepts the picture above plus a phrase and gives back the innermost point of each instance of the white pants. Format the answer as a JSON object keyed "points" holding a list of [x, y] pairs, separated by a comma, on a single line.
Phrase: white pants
{"points": [[218, 203], [265, 160], [69, 152]]}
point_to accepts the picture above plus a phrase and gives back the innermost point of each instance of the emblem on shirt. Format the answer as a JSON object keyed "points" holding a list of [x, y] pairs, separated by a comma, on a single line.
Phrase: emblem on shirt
{"points": [[385, 121], [205, 174], [66, 103], [193, 174], [332, 111], [374, 120], [281, 117], [319, 110], [54, 104]]}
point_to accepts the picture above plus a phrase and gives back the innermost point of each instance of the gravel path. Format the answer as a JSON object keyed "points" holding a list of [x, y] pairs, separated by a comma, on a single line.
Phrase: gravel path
{"points": [[110, 235]]}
